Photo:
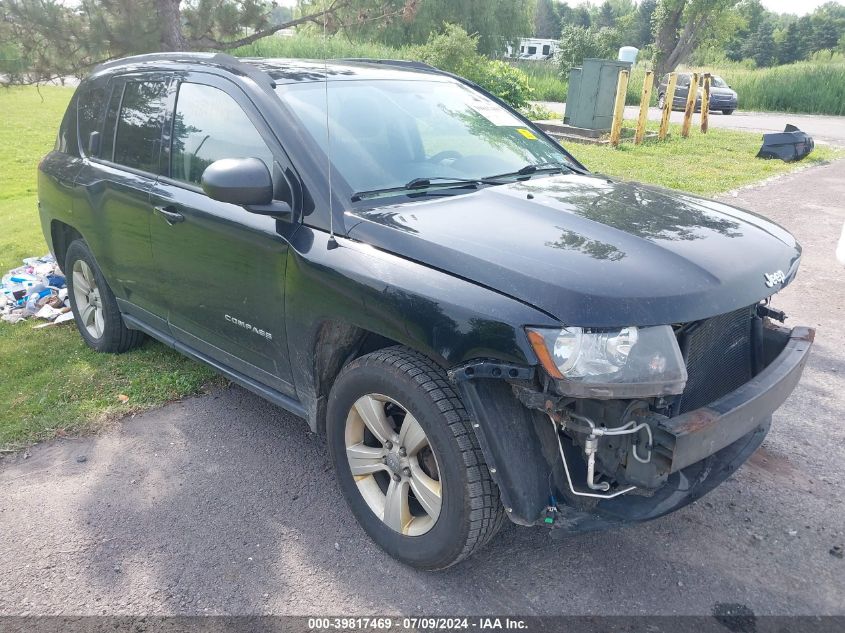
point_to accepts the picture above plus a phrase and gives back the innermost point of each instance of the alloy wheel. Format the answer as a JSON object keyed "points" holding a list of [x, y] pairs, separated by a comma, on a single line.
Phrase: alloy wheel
{"points": [[393, 464], [89, 304]]}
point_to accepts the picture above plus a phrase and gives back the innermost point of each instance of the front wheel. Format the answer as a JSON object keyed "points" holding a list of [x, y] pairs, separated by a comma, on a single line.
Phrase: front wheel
{"points": [[661, 101], [408, 461]]}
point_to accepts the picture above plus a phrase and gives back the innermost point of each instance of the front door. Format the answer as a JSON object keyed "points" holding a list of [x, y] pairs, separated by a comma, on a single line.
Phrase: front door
{"points": [[225, 266]]}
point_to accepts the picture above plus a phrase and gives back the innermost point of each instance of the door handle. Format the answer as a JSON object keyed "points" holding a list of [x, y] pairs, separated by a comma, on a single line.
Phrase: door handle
{"points": [[170, 214]]}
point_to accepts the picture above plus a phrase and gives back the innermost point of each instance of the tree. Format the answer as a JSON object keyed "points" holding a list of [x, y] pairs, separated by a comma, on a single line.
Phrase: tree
{"points": [[547, 19], [680, 26], [57, 38], [637, 31], [580, 16], [607, 16], [578, 43], [828, 26], [761, 45], [805, 36], [789, 50], [496, 22]]}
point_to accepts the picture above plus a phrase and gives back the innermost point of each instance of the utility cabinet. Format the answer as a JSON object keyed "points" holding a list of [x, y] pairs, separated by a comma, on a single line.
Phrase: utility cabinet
{"points": [[592, 92]]}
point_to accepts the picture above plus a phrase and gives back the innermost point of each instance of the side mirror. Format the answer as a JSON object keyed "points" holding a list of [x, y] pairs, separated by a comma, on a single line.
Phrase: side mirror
{"points": [[241, 181], [245, 182]]}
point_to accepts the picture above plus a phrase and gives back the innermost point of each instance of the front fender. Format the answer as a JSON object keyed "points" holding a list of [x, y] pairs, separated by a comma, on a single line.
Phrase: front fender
{"points": [[449, 319]]}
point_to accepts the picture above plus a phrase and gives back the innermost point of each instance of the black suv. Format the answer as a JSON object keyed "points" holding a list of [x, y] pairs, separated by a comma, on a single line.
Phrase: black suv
{"points": [[722, 96], [480, 327]]}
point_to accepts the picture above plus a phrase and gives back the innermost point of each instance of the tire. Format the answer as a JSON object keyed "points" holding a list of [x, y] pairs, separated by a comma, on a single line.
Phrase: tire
{"points": [[727, 112], [94, 306], [469, 512], [661, 101]]}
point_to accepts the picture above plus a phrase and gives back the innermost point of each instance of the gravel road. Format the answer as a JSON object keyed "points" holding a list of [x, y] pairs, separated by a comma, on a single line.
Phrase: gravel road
{"points": [[223, 504], [830, 129]]}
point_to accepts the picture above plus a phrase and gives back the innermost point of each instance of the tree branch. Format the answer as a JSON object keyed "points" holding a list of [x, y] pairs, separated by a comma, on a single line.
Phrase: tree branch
{"points": [[210, 42]]}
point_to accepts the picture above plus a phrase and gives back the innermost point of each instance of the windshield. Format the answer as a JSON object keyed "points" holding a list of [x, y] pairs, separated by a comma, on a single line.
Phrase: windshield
{"points": [[715, 81], [386, 133]]}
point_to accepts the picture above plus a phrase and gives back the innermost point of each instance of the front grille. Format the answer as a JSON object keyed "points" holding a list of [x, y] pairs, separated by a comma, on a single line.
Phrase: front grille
{"points": [[718, 356]]}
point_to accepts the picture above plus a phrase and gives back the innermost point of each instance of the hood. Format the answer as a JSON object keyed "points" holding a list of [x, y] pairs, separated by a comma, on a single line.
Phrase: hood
{"points": [[591, 251]]}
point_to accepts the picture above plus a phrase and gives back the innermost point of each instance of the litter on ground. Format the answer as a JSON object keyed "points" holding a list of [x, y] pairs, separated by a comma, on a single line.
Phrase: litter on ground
{"points": [[35, 290]]}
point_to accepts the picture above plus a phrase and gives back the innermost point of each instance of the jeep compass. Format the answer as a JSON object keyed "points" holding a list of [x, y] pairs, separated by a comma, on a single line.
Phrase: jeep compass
{"points": [[479, 326]]}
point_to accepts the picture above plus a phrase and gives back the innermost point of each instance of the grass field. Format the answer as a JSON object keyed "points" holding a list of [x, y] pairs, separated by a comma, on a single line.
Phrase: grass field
{"points": [[704, 164], [51, 383]]}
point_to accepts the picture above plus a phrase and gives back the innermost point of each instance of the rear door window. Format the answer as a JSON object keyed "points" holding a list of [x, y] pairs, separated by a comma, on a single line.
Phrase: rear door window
{"points": [[138, 136], [92, 104], [209, 125], [66, 140]]}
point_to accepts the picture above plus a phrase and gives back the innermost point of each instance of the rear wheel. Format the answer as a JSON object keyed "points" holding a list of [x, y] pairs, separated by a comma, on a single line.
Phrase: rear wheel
{"points": [[408, 461], [727, 111], [94, 306]]}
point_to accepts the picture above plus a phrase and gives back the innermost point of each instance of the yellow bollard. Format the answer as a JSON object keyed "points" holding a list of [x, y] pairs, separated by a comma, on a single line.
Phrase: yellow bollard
{"points": [[690, 108], [667, 106], [645, 98], [619, 108], [705, 103]]}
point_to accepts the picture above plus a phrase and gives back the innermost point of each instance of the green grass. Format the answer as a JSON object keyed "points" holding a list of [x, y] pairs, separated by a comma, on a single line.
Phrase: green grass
{"points": [[50, 382], [704, 164]]}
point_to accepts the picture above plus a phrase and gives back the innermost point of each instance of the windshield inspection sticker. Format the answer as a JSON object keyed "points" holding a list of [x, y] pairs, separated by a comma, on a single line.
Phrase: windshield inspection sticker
{"points": [[493, 113], [527, 134]]}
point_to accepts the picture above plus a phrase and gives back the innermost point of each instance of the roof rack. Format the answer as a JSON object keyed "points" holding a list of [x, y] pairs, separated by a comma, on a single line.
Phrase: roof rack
{"points": [[399, 63], [220, 60]]}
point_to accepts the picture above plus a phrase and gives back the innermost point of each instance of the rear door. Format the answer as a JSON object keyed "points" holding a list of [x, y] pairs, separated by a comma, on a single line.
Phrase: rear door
{"points": [[225, 266], [118, 174]]}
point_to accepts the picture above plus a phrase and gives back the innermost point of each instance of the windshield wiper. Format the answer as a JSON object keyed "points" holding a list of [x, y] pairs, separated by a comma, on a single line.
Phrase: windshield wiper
{"points": [[530, 170], [447, 182], [427, 182]]}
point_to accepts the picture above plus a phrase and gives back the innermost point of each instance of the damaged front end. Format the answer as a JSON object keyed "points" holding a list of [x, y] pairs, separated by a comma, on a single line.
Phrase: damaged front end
{"points": [[583, 448]]}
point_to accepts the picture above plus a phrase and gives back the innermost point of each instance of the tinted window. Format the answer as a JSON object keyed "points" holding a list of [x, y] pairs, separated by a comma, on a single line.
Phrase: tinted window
{"points": [[90, 112], [107, 142], [683, 80], [66, 139], [139, 125], [210, 125]]}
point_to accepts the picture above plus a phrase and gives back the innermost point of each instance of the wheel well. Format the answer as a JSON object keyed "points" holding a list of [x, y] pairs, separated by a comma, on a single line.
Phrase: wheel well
{"points": [[338, 344], [62, 235]]}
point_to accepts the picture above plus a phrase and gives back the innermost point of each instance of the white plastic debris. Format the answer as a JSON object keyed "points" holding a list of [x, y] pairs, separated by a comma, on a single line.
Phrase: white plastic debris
{"points": [[37, 289]]}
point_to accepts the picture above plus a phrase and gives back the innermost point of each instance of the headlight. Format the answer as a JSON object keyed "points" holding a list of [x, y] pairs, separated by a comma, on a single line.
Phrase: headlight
{"points": [[627, 362]]}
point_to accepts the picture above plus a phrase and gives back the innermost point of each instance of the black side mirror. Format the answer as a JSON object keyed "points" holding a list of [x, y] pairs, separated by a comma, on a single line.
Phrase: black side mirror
{"points": [[245, 182]]}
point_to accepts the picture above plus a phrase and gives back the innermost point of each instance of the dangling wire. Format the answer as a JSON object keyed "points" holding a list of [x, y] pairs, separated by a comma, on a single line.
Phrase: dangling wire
{"points": [[332, 241]]}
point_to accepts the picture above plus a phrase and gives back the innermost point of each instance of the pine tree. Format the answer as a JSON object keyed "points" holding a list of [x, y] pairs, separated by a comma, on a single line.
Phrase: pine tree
{"points": [[790, 49]]}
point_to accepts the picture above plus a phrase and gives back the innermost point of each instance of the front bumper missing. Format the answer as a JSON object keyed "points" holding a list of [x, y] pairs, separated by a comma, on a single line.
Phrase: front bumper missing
{"points": [[695, 435], [695, 451]]}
